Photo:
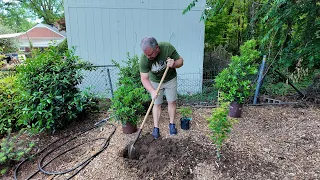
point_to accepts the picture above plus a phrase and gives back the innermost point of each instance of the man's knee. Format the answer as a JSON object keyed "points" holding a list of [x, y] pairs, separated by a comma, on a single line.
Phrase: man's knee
{"points": [[157, 105], [172, 103]]}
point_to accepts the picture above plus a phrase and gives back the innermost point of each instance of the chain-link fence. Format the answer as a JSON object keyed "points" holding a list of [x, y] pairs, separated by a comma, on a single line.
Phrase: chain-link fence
{"points": [[193, 88], [102, 81], [196, 88]]}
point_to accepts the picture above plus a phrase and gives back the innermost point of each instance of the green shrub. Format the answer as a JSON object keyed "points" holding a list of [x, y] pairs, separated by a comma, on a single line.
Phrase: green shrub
{"points": [[130, 69], [273, 85], [63, 46], [234, 82], [126, 105], [12, 150], [185, 112], [9, 100], [220, 125], [51, 97]]}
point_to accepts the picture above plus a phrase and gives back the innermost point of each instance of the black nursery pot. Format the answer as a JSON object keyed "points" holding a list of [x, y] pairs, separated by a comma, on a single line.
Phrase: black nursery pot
{"points": [[185, 123], [235, 109]]}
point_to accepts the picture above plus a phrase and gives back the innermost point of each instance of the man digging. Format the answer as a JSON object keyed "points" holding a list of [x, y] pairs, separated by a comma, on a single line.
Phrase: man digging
{"points": [[153, 62]]}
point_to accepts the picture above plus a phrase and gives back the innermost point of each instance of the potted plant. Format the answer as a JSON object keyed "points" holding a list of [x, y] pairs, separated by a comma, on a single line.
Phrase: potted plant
{"points": [[130, 69], [186, 113], [126, 105], [235, 82], [129, 100]]}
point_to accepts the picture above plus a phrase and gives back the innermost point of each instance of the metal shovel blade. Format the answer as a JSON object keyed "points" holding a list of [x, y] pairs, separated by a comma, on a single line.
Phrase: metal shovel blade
{"points": [[132, 154], [131, 151]]}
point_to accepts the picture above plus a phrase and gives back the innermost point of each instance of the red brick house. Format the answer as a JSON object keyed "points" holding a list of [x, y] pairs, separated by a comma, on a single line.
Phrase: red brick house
{"points": [[40, 36]]}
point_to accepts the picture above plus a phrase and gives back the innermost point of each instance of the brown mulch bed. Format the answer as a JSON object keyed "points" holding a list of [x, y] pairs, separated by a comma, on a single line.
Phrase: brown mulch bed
{"points": [[268, 142]]}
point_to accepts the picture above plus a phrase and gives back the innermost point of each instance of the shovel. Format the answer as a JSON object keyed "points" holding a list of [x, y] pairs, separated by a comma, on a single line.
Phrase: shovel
{"points": [[131, 148]]}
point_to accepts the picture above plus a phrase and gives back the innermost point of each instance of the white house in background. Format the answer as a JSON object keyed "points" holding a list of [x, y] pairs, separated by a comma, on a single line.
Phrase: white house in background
{"points": [[41, 35], [106, 30]]}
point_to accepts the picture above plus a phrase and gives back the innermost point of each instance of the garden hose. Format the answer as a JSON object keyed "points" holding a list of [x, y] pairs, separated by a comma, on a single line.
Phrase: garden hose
{"points": [[83, 164]]}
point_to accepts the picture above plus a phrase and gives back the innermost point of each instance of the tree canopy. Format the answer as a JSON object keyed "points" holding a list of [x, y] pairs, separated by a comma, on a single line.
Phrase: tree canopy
{"points": [[48, 10], [20, 15], [15, 16], [288, 31]]}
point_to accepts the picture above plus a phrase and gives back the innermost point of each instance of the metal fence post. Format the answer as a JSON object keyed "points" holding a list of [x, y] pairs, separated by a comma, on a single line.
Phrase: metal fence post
{"points": [[259, 79], [109, 78]]}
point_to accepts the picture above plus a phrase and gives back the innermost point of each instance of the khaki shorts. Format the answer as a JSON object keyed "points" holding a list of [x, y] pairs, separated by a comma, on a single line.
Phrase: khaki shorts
{"points": [[169, 89]]}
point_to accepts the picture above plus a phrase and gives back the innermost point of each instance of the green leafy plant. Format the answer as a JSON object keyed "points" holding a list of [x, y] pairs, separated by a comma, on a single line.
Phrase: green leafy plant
{"points": [[129, 69], [287, 31], [220, 125], [190, 6], [234, 82], [2, 56], [63, 46], [274, 85], [126, 105], [185, 112], [50, 94], [9, 100], [13, 149]]}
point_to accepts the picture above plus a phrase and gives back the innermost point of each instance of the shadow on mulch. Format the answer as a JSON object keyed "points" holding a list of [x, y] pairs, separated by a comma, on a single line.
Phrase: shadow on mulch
{"points": [[173, 158]]}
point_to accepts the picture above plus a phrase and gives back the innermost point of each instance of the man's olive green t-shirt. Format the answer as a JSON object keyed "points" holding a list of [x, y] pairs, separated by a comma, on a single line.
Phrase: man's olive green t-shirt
{"points": [[156, 67]]}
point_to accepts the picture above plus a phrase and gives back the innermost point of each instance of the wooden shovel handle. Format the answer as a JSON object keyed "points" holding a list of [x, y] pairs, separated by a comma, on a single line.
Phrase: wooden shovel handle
{"points": [[151, 104]]}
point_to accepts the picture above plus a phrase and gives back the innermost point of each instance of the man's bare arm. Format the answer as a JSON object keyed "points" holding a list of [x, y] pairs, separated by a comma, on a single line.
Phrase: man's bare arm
{"points": [[178, 63], [147, 84]]}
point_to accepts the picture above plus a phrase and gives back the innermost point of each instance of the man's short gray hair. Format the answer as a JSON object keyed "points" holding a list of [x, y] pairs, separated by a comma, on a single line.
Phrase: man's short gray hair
{"points": [[148, 42]]}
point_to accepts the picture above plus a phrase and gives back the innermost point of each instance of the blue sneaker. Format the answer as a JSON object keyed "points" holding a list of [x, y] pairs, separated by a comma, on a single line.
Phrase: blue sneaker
{"points": [[156, 133], [173, 129]]}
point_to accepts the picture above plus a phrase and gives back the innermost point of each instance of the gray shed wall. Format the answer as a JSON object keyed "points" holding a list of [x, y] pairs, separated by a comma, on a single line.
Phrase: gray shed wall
{"points": [[102, 30]]}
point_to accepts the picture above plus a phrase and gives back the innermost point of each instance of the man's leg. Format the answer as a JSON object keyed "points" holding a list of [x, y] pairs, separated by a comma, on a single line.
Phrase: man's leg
{"points": [[156, 111], [171, 95], [172, 111]]}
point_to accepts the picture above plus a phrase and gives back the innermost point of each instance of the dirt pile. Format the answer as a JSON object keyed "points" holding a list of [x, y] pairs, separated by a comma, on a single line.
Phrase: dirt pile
{"points": [[173, 158], [167, 158]]}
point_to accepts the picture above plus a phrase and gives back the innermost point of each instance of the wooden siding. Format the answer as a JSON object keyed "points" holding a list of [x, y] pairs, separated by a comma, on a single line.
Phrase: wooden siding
{"points": [[103, 30]]}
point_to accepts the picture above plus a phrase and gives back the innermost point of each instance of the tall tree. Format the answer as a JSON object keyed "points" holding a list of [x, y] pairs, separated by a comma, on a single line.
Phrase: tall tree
{"points": [[288, 31], [14, 16], [226, 22], [48, 10]]}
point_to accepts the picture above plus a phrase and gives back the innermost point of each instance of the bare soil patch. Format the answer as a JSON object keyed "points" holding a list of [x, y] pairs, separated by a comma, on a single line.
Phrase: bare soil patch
{"points": [[269, 142]]}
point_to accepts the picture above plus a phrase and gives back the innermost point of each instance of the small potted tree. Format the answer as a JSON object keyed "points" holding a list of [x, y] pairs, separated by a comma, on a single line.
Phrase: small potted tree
{"points": [[129, 100], [126, 105], [235, 82], [186, 113], [220, 126]]}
